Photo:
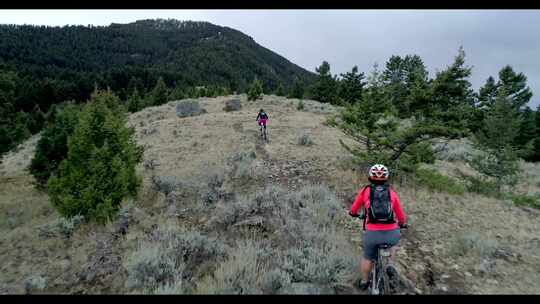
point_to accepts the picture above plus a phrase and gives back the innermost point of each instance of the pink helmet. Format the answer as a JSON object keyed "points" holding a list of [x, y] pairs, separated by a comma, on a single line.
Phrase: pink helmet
{"points": [[379, 172]]}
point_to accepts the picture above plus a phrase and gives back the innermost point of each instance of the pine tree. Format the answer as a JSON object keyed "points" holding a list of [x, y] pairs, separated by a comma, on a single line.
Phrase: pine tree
{"points": [[516, 87], [159, 93], [99, 170], [325, 88], [52, 147], [372, 122], [527, 133], [255, 91], [351, 86], [451, 97], [134, 102], [297, 90], [280, 91], [536, 145], [401, 76], [487, 94], [496, 138]]}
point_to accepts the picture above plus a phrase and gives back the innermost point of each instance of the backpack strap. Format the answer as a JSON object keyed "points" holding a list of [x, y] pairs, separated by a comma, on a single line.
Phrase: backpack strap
{"points": [[364, 207]]}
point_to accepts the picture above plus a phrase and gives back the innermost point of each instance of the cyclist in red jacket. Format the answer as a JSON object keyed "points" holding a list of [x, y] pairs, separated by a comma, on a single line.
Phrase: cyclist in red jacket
{"points": [[378, 230]]}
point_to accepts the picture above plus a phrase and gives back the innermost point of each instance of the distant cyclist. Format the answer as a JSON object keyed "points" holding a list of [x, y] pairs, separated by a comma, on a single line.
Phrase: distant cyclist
{"points": [[262, 117], [382, 207]]}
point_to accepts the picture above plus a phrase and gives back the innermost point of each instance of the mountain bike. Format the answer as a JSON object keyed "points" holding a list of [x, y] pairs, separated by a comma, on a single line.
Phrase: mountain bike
{"points": [[378, 277], [263, 131]]}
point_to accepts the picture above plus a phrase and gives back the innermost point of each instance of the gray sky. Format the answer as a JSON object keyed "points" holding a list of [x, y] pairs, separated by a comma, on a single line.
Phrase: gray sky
{"points": [[344, 38]]}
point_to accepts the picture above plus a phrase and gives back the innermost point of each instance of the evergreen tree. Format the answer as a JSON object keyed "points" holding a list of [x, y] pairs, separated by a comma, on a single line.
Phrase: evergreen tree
{"points": [[451, 97], [159, 93], [325, 88], [536, 145], [527, 134], [256, 90], [487, 94], [99, 170], [496, 139], [351, 86], [516, 87], [297, 90], [401, 76], [280, 91], [134, 102], [382, 138], [52, 147]]}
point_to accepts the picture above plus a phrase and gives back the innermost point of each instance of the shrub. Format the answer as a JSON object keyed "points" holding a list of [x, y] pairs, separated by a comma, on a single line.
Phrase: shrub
{"points": [[99, 171], [434, 180], [232, 105], [300, 105], [526, 200], [212, 191], [240, 163], [241, 273], [305, 140], [34, 283], [149, 266], [177, 286], [480, 186], [473, 242], [331, 121], [330, 262], [455, 150], [169, 256], [187, 108], [275, 280], [66, 226], [256, 90], [166, 184], [52, 147]]}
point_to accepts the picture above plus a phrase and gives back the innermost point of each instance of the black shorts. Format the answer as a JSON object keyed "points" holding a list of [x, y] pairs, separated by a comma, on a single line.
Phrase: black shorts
{"points": [[373, 238]]}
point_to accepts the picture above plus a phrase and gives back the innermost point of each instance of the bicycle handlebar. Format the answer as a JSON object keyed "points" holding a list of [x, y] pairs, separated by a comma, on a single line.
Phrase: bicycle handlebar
{"points": [[363, 216]]}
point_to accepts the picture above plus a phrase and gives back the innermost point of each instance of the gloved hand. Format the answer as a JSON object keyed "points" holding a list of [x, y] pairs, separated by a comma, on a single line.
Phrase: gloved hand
{"points": [[403, 226], [353, 215]]}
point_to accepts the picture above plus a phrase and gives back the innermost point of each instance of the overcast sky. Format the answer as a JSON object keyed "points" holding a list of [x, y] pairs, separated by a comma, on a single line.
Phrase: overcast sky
{"points": [[344, 38]]}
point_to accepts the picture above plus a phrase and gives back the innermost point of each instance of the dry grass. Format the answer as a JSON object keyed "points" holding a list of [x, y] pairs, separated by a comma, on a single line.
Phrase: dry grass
{"points": [[188, 148]]}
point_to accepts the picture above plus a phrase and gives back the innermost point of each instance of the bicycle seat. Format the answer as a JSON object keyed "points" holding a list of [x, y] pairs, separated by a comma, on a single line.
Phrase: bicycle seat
{"points": [[384, 246]]}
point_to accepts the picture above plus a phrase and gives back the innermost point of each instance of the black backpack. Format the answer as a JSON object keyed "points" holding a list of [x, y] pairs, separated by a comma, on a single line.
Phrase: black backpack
{"points": [[380, 210]]}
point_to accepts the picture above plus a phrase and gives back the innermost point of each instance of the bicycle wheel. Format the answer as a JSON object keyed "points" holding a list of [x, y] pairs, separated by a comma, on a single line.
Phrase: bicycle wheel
{"points": [[384, 280]]}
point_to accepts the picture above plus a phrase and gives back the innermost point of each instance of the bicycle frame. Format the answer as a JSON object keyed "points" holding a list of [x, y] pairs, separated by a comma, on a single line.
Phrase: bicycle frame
{"points": [[379, 278], [263, 132]]}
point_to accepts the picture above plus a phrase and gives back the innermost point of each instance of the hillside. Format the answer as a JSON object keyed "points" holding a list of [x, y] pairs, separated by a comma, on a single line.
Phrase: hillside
{"points": [[41, 66], [271, 218], [185, 53]]}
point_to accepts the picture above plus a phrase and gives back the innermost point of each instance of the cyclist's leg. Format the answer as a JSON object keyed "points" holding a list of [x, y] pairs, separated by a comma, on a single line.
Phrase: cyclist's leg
{"points": [[369, 245], [393, 237]]}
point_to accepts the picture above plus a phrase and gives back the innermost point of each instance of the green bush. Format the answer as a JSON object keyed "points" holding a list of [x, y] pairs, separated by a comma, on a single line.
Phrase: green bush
{"points": [[300, 105], [526, 200], [256, 90], [99, 170], [480, 186], [305, 140], [436, 181], [52, 147]]}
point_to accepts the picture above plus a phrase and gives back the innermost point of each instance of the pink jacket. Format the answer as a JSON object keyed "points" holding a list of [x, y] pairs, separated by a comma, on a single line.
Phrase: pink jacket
{"points": [[362, 199]]}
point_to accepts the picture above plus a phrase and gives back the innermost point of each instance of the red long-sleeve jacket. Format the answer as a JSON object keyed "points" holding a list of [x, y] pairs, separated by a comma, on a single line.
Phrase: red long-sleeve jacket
{"points": [[362, 199]]}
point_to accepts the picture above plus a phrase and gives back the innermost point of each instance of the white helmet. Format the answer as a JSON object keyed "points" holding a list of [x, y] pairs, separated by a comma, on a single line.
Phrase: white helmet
{"points": [[379, 172]]}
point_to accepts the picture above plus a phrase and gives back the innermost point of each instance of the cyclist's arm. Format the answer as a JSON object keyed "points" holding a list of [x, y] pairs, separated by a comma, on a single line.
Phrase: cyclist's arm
{"points": [[358, 202], [398, 210]]}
